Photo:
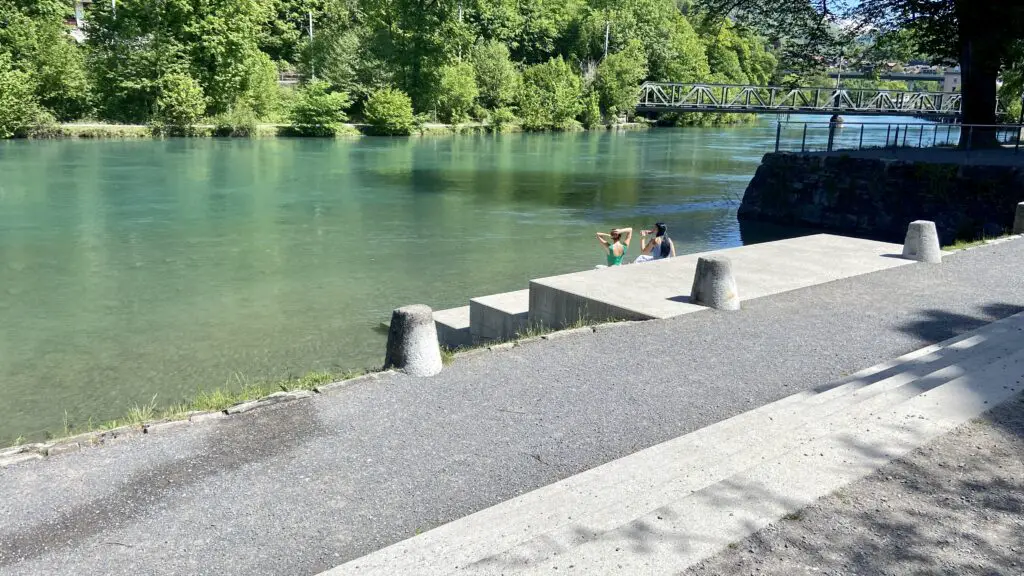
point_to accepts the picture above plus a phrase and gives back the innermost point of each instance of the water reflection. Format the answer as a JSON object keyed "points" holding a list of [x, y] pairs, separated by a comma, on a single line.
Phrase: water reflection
{"points": [[138, 268]]}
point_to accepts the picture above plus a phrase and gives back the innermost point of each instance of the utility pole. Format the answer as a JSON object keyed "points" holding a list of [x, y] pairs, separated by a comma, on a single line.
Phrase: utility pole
{"points": [[839, 76], [312, 52], [607, 31]]}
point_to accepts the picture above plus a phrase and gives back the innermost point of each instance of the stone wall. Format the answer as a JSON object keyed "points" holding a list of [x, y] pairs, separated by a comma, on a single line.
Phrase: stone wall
{"points": [[877, 198]]}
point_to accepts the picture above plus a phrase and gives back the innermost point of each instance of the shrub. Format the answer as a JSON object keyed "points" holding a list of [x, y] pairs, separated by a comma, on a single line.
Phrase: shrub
{"points": [[317, 112], [551, 96], [618, 79], [502, 119], [456, 92], [18, 106], [261, 89], [240, 122], [497, 77], [389, 112], [591, 116], [180, 104]]}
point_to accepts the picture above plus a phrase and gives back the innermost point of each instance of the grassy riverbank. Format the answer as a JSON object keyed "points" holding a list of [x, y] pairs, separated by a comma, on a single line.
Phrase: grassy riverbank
{"points": [[103, 131], [212, 400]]}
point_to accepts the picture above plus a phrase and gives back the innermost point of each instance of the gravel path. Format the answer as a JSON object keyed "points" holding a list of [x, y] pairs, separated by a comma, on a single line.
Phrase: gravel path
{"points": [[954, 507], [301, 487]]}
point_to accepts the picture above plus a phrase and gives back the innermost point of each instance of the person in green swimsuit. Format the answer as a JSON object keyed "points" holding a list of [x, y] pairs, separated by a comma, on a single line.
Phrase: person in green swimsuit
{"points": [[616, 244]]}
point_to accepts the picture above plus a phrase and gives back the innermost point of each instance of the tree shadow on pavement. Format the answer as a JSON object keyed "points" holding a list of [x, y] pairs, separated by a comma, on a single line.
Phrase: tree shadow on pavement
{"points": [[227, 446], [939, 325]]}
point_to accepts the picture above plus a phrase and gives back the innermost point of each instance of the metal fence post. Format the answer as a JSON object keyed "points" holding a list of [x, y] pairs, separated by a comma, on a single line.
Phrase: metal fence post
{"points": [[970, 136], [920, 136], [888, 130], [949, 130], [906, 129], [831, 135], [935, 135], [803, 142], [896, 140], [778, 134], [1016, 146], [861, 143]]}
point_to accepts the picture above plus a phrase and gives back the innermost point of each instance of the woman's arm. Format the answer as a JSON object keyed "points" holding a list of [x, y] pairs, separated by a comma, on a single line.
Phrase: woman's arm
{"points": [[672, 245], [628, 233], [601, 238]]}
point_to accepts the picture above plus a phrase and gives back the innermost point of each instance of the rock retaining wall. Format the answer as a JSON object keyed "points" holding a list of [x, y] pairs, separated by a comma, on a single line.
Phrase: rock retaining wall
{"points": [[877, 198]]}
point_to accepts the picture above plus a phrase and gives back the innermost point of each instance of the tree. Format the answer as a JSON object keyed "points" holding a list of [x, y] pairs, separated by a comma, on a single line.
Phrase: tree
{"points": [[36, 39], [180, 104], [317, 112], [618, 80], [980, 35], [497, 77], [551, 97], [389, 113], [456, 92], [18, 106], [213, 41]]}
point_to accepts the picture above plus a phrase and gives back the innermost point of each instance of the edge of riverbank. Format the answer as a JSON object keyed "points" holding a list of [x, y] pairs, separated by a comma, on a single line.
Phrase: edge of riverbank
{"points": [[102, 131], [222, 402]]}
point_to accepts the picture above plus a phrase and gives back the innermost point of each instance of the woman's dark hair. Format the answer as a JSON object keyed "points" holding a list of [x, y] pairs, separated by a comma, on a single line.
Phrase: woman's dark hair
{"points": [[666, 242]]}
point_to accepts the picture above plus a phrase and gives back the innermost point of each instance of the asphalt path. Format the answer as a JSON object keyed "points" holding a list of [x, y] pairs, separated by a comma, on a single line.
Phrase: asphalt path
{"points": [[301, 487]]}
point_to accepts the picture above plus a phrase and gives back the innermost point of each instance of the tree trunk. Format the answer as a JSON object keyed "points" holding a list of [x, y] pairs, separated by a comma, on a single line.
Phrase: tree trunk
{"points": [[979, 69]]}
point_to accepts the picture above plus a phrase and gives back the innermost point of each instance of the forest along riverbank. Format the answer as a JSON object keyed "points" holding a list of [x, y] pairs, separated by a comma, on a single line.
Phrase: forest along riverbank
{"points": [[146, 268]]}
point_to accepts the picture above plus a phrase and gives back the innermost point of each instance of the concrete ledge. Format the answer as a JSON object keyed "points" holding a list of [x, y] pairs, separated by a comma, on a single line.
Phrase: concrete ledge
{"points": [[453, 327], [661, 289], [498, 317]]}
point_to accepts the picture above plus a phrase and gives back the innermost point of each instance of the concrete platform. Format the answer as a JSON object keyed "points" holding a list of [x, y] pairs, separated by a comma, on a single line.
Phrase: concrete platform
{"points": [[498, 317], [661, 289], [453, 327]]}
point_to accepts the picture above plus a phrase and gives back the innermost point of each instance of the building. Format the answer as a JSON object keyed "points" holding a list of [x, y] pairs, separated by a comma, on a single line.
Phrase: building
{"points": [[951, 80]]}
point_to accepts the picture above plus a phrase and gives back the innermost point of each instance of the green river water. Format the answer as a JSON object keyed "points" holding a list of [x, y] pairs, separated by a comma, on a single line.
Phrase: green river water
{"points": [[134, 268]]}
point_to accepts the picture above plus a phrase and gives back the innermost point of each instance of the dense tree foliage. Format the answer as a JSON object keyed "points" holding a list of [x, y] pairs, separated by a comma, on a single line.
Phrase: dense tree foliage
{"points": [[551, 64]]}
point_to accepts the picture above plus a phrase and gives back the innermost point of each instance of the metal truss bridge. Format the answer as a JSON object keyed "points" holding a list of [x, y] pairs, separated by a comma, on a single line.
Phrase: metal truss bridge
{"points": [[658, 97]]}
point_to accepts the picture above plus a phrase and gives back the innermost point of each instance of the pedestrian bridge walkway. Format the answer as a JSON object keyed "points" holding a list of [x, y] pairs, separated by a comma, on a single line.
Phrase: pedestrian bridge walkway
{"points": [[657, 97]]}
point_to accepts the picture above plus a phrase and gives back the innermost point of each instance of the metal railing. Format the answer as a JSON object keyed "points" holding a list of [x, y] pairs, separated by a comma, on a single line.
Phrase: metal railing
{"points": [[834, 136], [700, 97]]}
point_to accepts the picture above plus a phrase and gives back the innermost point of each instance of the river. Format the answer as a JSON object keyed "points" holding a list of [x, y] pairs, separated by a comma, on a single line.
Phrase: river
{"points": [[130, 269]]}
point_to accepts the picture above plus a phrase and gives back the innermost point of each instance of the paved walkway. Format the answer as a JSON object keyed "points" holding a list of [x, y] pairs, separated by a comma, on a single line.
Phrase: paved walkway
{"points": [[306, 486], [954, 507]]}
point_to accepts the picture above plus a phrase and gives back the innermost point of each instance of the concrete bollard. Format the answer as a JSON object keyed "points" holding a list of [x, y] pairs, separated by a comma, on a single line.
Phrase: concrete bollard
{"points": [[1018, 219], [922, 242], [412, 342], [714, 285]]}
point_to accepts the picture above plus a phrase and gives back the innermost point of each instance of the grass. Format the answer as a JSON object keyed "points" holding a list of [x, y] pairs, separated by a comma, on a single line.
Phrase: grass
{"points": [[236, 390], [965, 244], [529, 332]]}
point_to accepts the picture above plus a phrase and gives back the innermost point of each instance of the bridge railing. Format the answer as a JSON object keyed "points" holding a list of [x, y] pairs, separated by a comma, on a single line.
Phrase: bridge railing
{"points": [[839, 136], [700, 97]]}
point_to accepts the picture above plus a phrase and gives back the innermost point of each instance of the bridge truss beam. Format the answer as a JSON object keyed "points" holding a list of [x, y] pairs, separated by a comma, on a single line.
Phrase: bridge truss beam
{"points": [[681, 97]]}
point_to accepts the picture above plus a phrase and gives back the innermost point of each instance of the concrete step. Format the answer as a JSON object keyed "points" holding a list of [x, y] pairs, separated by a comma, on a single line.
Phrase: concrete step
{"points": [[674, 471], [453, 327], [677, 534], [498, 317], [535, 527]]}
